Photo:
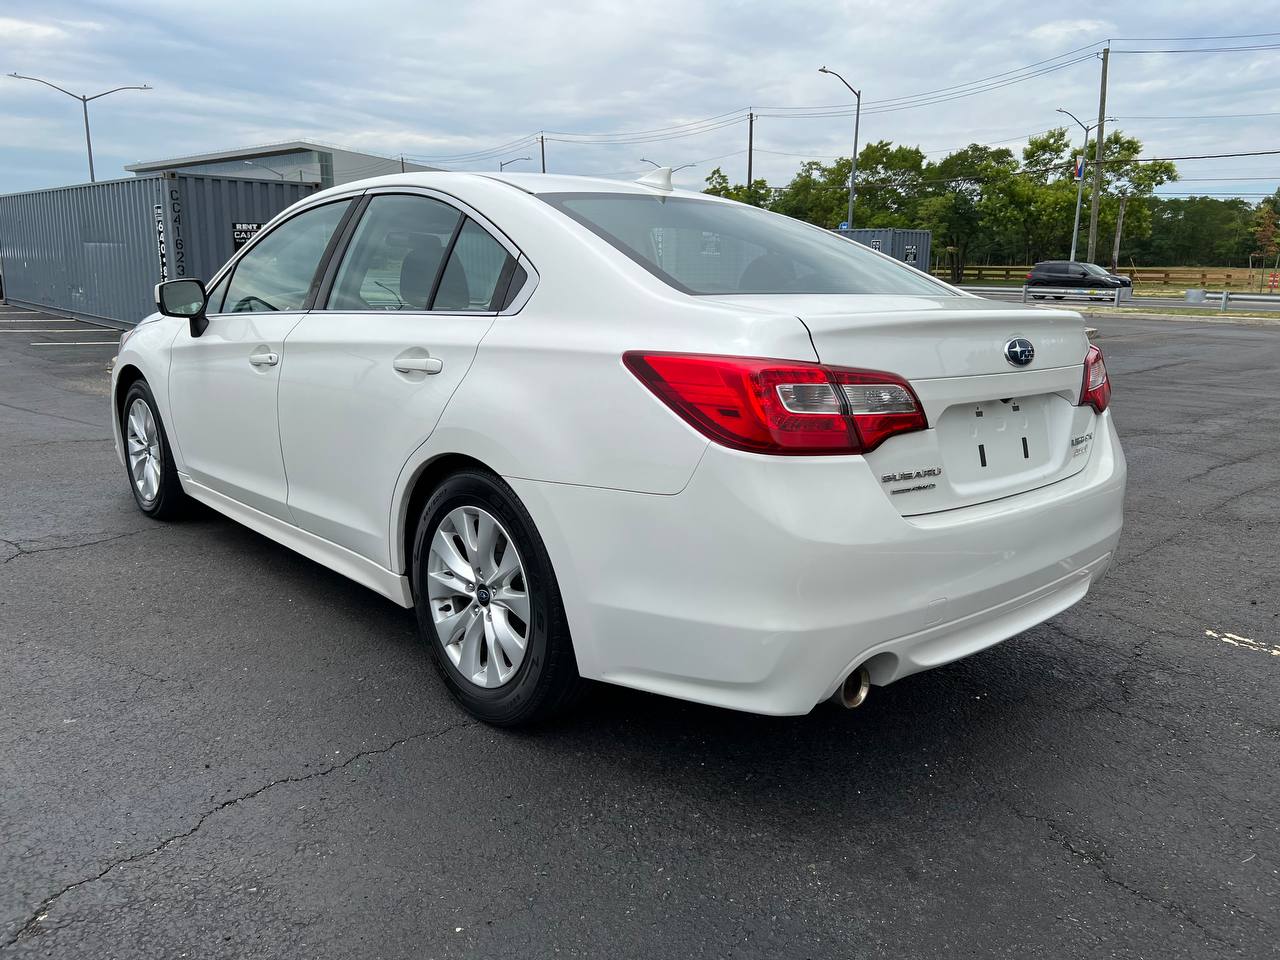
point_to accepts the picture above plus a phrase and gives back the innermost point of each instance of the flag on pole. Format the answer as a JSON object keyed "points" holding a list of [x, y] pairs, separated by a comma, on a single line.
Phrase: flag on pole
{"points": [[1079, 172]]}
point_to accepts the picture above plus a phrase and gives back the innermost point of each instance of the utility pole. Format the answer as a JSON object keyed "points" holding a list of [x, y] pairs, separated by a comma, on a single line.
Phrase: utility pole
{"points": [[751, 133], [542, 145], [402, 163], [857, 118], [84, 106], [1097, 164]]}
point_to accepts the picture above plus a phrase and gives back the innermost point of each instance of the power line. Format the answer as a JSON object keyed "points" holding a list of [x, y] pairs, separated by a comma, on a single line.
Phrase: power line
{"points": [[1208, 193], [939, 90], [1198, 156], [624, 138], [477, 154], [1059, 167], [721, 121], [1261, 46], [657, 130], [1202, 116], [848, 111], [887, 105], [1226, 36]]}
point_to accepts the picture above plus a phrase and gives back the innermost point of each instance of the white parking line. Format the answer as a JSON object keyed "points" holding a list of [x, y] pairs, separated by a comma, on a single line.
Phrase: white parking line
{"points": [[38, 330], [76, 343], [37, 318], [1245, 642]]}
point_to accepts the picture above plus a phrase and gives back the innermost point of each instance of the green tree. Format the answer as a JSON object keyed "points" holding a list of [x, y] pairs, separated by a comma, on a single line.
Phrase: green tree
{"points": [[818, 193], [966, 194], [1264, 232], [1196, 231], [718, 185], [1126, 186]]}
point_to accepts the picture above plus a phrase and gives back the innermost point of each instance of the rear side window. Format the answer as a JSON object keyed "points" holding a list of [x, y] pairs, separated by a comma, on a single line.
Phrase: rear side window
{"points": [[277, 272], [394, 257], [477, 275], [711, 247]]}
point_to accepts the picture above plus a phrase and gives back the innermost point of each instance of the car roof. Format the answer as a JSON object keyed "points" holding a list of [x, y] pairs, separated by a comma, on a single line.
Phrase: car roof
{"points": [[534, 183]]}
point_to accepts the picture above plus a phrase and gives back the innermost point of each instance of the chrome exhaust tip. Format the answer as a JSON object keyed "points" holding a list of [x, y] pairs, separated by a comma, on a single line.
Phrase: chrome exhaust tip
{"points": [[853, 691]]}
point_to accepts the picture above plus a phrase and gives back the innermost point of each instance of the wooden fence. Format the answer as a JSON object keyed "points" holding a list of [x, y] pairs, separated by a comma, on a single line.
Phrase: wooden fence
{"points": [[1209, 278]]}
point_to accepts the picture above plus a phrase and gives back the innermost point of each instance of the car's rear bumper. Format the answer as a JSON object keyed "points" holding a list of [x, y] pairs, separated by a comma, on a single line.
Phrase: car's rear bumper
{"points": [[767, 580]]}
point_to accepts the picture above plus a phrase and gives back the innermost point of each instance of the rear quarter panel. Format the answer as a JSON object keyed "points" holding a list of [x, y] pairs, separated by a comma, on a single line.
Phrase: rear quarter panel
{"points": [[548, 398]]}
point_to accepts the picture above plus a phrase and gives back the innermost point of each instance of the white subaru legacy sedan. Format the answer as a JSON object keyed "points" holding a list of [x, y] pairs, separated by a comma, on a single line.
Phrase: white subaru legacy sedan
{"points": [[616, 431]]}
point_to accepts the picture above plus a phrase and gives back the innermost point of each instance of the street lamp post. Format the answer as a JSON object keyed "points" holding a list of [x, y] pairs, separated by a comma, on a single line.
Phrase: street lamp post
{"points": [[502, 164], [857, 117], [84, 106], [1084, 150]]}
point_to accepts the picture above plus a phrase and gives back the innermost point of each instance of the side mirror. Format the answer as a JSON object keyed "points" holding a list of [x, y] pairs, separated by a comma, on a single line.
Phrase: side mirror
{"points": [[184, 298]]}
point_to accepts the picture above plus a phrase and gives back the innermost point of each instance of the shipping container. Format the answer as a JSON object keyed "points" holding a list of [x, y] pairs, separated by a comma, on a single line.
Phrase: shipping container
{"points": [[909, 246], [96, 250]]}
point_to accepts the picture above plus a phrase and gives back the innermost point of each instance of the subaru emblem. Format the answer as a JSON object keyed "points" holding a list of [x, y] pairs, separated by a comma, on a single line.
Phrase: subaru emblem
{"points": [[1019, 351]]}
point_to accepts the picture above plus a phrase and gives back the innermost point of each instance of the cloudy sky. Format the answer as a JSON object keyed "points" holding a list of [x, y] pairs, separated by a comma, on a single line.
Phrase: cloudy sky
{"points": [[437, 79]]}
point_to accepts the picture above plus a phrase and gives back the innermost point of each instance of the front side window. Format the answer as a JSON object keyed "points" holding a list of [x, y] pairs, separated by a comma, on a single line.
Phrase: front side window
{"points": [[711, 247], [277, 272], [217, 293], [395, 255]]}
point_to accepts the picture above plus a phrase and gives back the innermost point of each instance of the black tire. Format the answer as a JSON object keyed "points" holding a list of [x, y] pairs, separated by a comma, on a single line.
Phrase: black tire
{"points": [[170, 502], [546, 681]]}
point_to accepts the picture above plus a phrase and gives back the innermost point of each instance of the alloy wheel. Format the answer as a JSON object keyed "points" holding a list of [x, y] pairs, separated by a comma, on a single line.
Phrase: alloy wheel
{"points": [[142, 439], [478, 595]]}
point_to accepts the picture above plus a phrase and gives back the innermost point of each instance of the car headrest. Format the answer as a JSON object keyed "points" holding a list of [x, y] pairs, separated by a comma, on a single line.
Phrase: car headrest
{"points": [[418, 272]]}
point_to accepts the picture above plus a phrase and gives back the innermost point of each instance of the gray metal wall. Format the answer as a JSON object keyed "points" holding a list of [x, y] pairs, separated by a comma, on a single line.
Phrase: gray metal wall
{"points": [[909, 246], [96, 251]]}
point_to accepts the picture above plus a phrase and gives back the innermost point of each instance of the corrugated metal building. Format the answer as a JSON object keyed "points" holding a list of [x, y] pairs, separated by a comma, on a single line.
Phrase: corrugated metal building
{"points": [[909, 246], [96, 250]]}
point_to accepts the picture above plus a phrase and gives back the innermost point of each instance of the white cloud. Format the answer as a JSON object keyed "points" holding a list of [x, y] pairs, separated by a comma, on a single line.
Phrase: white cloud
{"points": [[1070, 30], [463, 77], [17, 31]]}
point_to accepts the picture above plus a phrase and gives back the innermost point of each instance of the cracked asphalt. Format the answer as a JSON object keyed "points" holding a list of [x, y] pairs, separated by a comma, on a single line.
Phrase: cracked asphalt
{"points": [[211, 747]]}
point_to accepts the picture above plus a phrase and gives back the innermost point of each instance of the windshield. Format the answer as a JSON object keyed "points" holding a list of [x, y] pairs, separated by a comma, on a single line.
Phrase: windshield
{"points": [[709, 247], [1094, 270]]}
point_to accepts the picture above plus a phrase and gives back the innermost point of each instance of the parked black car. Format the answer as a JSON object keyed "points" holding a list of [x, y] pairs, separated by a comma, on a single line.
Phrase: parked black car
{"points": [[1072, 273]]}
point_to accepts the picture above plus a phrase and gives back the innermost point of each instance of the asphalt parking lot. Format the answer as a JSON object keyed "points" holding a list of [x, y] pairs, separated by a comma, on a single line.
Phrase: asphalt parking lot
{"points": [[212, 747]]}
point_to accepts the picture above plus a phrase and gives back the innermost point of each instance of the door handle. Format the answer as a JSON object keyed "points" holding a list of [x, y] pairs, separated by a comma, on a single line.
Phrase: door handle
{"points": [[267, 359], [419, 364]]}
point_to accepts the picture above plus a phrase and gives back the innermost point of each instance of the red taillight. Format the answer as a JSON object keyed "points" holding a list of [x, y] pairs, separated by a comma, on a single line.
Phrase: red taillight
{"points": [[1028, 276], [780, 406], [1096, 390]]}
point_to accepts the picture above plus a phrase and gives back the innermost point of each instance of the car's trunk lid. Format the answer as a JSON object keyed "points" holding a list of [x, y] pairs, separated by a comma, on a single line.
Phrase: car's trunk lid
{"points": [[995, 429]]}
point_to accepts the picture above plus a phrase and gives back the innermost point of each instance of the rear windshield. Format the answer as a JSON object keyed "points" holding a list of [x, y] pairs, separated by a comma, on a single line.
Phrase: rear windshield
{"points": [[709, 247]]}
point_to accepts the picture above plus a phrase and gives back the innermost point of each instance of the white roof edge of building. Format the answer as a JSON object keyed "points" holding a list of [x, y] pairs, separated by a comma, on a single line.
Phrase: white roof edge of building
{"points": [[256, 150]]}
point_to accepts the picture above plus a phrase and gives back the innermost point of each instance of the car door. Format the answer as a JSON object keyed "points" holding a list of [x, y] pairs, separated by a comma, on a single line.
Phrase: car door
{"points": [[368, 375], [223, 384]]}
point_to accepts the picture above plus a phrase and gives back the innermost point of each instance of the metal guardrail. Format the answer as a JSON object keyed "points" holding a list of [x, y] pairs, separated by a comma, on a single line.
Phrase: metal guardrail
{"points": [[1116, 295], [1226, 298]]}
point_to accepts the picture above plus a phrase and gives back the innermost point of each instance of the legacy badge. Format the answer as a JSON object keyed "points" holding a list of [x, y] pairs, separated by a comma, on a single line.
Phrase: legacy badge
{"points": [[908, 476]]}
